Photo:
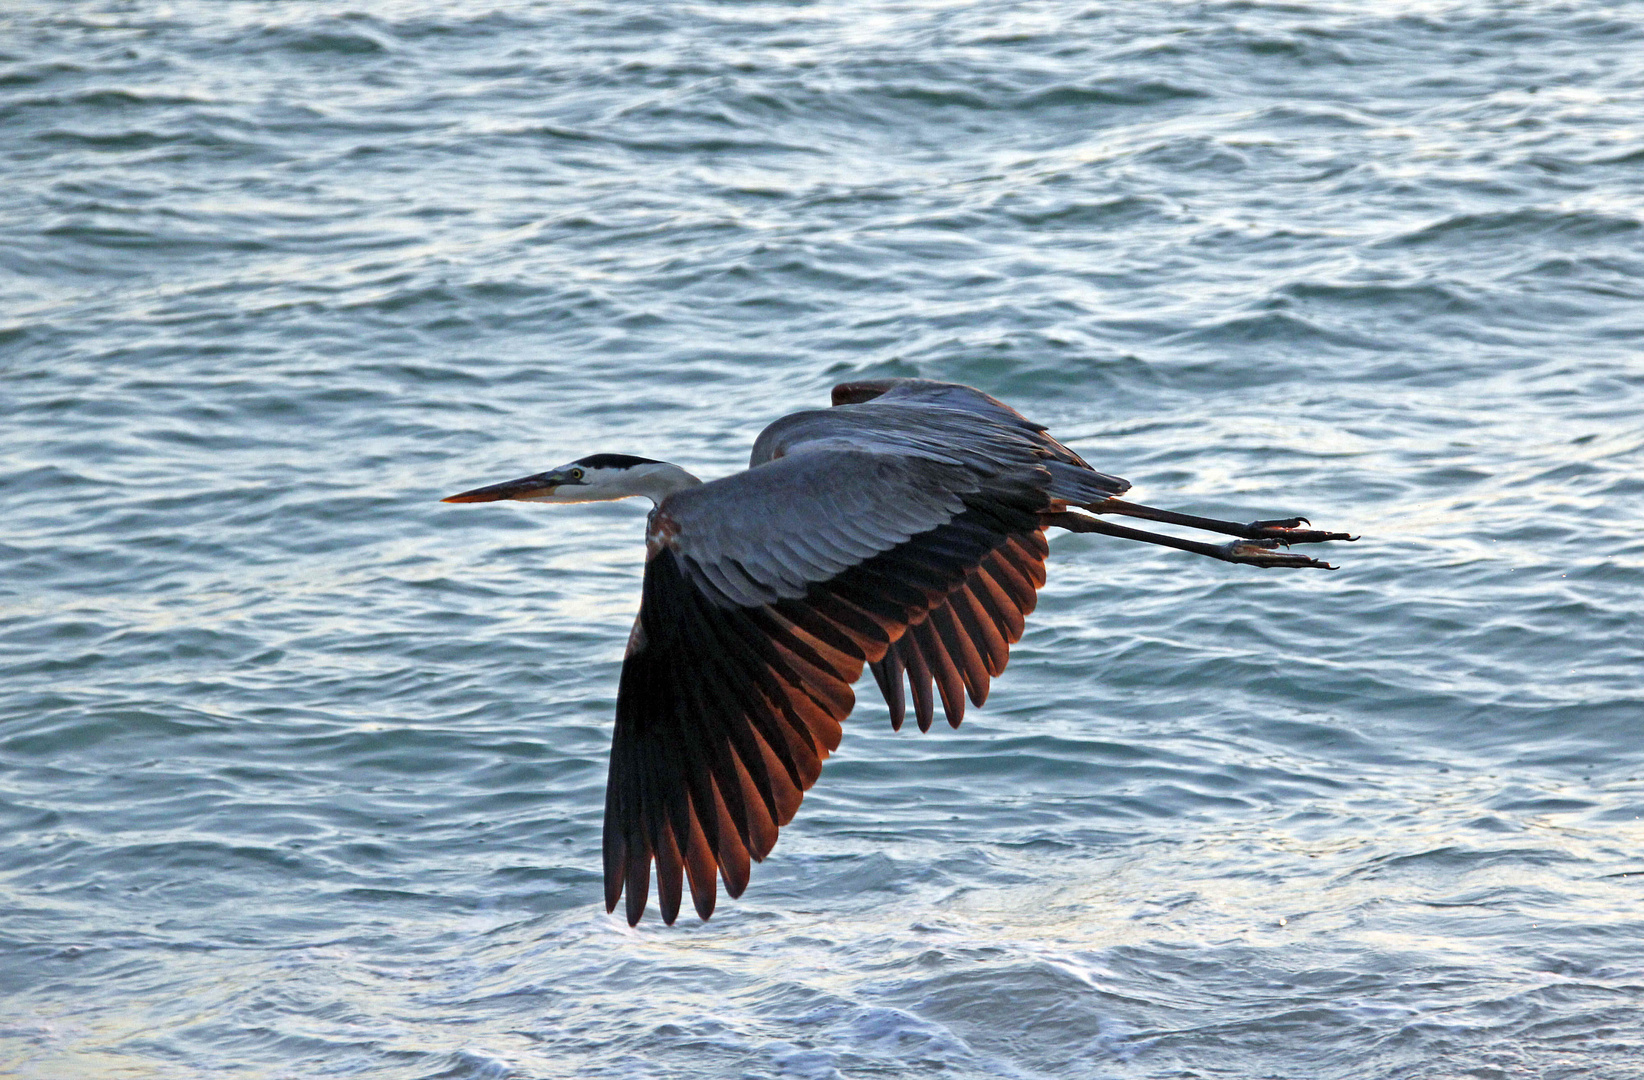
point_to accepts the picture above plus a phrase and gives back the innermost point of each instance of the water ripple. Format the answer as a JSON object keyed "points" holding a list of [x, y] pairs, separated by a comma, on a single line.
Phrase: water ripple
{"points": [[301, 770]]}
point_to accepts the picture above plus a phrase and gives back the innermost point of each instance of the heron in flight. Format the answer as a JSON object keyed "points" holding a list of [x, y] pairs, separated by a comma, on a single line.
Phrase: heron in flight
{"points": [[903, 529]]}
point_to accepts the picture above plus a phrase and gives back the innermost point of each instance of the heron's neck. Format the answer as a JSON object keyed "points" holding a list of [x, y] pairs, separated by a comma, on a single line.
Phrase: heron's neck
{"points": [[656, 482]]}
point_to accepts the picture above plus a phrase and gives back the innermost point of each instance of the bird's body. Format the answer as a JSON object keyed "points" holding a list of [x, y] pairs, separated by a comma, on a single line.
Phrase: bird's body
{"points": [[902, 529]]}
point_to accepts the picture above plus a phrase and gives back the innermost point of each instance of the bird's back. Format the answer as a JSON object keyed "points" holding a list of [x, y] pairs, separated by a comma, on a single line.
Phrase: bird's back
{"points": [[943, 422]]}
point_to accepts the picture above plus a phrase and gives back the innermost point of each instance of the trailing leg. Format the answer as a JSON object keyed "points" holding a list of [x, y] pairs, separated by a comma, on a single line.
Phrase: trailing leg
{"points": [[1259, 551], [1284, 530]]}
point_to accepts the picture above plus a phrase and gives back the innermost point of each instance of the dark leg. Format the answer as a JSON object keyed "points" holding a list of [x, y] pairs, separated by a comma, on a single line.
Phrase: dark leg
{"points": [[1262, 551], [1284, 530]]}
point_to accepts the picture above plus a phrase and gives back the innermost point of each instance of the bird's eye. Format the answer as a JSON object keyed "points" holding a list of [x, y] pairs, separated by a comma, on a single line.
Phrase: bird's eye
{"points": [[576, 474]]}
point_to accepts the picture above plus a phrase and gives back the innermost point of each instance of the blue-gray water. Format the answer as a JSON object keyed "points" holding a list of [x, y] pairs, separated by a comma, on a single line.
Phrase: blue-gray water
{"points": [[302, 771]]}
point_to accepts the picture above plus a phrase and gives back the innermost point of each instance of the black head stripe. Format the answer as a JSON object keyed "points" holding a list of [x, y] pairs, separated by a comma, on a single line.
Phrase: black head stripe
{"points": [[615, 461]]}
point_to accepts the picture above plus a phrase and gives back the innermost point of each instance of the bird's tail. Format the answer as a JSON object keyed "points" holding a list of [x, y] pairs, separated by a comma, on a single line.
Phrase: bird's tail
{"points": [[1083, 486]]}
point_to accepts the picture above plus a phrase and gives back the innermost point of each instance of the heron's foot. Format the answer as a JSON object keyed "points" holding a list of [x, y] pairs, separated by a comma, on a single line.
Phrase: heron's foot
{"points": [[1290, 531], [1266, 553]]}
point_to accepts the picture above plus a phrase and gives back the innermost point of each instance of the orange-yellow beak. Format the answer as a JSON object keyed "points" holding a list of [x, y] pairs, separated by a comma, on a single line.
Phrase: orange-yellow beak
{"points": [[526, 487]]}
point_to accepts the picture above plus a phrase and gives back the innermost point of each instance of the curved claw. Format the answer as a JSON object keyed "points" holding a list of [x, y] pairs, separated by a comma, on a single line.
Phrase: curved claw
{"points": [[1266, 553]]}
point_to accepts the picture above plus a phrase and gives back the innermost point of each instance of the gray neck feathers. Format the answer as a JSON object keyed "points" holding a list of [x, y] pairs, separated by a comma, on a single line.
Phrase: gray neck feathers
{"points": [[659, 480]]}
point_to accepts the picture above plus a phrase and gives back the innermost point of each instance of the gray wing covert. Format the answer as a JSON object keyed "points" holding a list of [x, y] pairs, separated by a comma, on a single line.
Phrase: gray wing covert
{"points": [[765, 594], [769, 533]]}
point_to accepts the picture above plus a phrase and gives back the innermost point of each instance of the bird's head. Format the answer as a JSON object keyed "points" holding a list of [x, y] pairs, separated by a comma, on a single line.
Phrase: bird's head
{"points": [[595, 478]]}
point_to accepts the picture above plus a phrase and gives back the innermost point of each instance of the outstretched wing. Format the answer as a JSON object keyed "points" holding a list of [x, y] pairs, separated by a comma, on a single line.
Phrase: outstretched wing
{"points": [[765, 594], [987, 608]]}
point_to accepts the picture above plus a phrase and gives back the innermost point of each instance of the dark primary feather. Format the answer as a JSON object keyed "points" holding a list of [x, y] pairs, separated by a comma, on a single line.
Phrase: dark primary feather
{"points": [[902, 530]]}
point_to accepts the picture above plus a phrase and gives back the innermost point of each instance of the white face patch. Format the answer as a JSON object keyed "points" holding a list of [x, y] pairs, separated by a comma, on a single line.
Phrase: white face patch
{"points": [[585, 482]]}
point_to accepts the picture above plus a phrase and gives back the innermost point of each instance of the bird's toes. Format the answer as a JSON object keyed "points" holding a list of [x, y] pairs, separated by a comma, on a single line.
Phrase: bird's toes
{"points": [[1290, 531], [1267, 553]]}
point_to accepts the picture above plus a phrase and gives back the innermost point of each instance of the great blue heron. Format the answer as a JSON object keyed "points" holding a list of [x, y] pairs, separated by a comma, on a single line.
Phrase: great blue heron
{"points": [[903, 529]]}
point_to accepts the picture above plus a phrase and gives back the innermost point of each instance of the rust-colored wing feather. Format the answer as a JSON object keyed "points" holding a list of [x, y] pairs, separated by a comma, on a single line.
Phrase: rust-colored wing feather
{"points": [[991, 605], [725, 712]]}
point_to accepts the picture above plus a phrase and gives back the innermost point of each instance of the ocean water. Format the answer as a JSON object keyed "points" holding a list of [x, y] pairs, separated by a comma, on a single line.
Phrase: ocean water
{"points": [[301, 771]]}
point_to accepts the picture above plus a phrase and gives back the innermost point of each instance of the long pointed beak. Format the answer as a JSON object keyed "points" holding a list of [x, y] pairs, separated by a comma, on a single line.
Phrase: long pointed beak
{"points": [[526, 487]]}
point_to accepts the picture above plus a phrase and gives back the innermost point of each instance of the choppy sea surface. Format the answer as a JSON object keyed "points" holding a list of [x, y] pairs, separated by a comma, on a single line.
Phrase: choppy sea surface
{"points": [[301, 771]]}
